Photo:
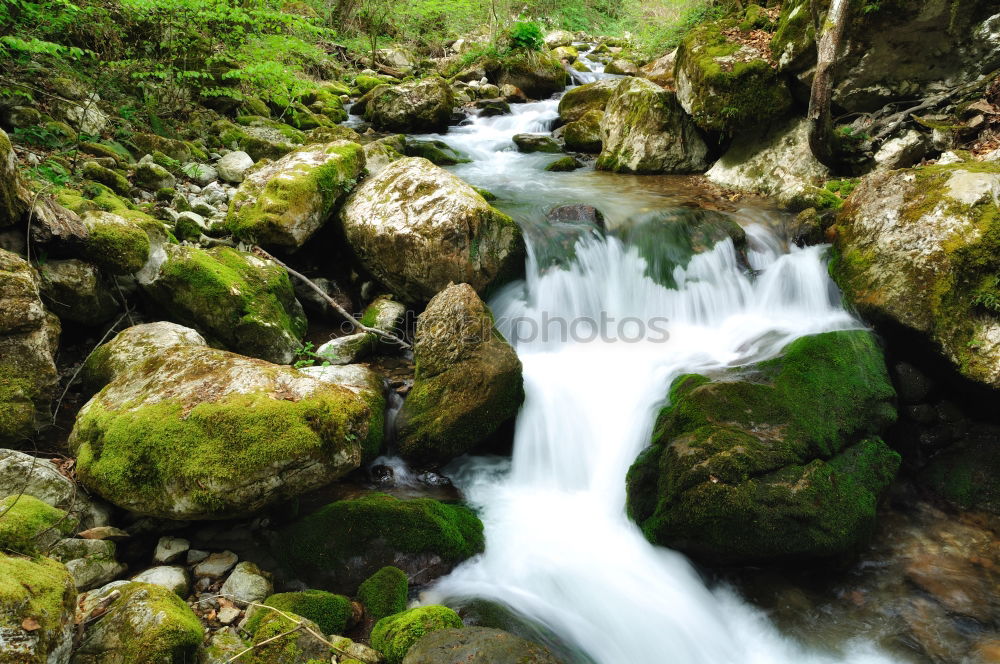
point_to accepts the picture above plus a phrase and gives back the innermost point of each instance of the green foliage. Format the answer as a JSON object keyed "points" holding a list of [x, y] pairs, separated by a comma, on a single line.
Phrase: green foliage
{"points": [[384, 592], [305, 356], [526, 35], [394, 635], [331, 612]]}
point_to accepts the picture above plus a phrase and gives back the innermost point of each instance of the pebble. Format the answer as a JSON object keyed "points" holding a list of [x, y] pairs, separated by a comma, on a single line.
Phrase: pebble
{"points": [[228, 615], [216, 565]]}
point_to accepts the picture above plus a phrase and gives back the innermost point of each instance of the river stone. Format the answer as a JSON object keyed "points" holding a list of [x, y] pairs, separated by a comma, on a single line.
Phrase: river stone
{"points": [[393, 636], [660, 71], [582, 99], [584, 135], [173, 578], [778, 461], [146, 623], [384, 151], [90, 562], [115, 244], [468, 379], [234, 165], [283, 203], [538, 75], [645, 130], [247, 583], [424, 105], [28, 339], [39, 590], [75, 291], [918, 248], [777, 163], [244, 301], [183, 431], [476, 645], [417, 227], [536, 143]]}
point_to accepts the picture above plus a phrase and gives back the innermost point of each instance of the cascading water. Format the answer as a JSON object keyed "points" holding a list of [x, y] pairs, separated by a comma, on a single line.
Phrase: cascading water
{"points": [[560, 549]]}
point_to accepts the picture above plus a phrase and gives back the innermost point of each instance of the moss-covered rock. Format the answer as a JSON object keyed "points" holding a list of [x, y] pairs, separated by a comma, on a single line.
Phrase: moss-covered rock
{"points": [[418, 106], [12, 194], [244, 301], [283, 203], [28, 339], [260, 137], [153, 177], [417, 228], [921, 248], [146, 624], [41, 592], [111, 179], [774, 462], [76, 291], [384, 151], [184, 431], [468, 379], [114, 243], [564, 164], [332, 613], [178, 150], [28, 526], [537, 74], [582, 99], [394, 635], [342, 544], [277, 641], [437, 152], [645, 130], [584, 135], [384, 593], [530, 143], [23, 473], [476, 645], [364, 83], [661, 70], [727, 86]]}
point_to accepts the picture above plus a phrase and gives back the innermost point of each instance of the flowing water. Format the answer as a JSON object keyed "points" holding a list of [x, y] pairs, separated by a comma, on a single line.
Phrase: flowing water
{"points": [[560, 548]]}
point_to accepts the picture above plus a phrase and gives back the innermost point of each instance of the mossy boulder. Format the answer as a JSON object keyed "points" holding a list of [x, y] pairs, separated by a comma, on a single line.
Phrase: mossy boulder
{"points": [[235, 297], [29, 336], [146, 624], [13, 202], [584, 135], [76, 291], [393, 636], [332, 613], [476, 645], [260, 137], [778, 461], [384, 592], [342, 544], [467, 383], [645, 130], [537, 74], [114, 243], [277, 640], [564, 165], [530, 143], [583, 99], [29, 527], [417, 228], [23, 473], [282, 204], [417, 106], [727, 86], [35, 591], [183, 431], [178, 150], [920, 248], [153, 177], [437, 152]]}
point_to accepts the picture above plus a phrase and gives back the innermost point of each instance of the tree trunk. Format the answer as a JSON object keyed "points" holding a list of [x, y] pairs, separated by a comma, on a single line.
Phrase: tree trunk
{"points": [[822, 142]]}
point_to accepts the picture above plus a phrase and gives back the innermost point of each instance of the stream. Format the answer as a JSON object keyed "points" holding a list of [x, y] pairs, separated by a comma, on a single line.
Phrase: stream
{"points": [[560, 548]]}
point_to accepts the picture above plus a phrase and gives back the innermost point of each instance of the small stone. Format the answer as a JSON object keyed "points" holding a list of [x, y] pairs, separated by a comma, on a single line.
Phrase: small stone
{"points": [[104, 533], [169, 549], [248, 583], [234, 165], [170, 577], [203, 174], [216, 565], [228, 615]]}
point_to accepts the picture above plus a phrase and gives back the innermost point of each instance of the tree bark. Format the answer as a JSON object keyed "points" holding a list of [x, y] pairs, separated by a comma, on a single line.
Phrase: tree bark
{"points": [[822, 141]]}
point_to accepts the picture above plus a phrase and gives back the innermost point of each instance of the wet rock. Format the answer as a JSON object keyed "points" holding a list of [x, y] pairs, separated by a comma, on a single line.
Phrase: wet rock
{"points": [[476, 645], [173, 578], [35, 592], [75, 291], [424, 105], [417, 227], [584, 135], [394, 636], [564, 164], [536, 143], [437, 152], [234, 165], [284, 203], [468, 380], [645, 130], [585, 98], [191, 432], [576, 214]]}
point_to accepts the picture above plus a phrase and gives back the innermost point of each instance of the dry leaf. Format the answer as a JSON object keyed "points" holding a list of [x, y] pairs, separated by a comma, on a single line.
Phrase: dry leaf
{"points": [[30, 625]]}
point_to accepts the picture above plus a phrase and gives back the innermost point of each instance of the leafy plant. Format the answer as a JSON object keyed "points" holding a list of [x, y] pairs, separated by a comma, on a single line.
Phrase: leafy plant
{"points": [[526, 35], [307, 357]]}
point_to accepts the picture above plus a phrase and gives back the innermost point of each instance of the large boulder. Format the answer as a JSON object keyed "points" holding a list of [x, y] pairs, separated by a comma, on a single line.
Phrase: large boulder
{"points": [[184, 431], [468, 379], [417, 228], [30, 526], [143, 624], [777, 461], [283, 203], [585, 98], [115, 244], [28, 339], [537, 74], [331, 612], [661, 70], [77, 292], [728, 86], [776, 163], [645, 130], [37, 598], [920, 249], [584, 135], [234, 297], [393, 636], [418, 106], [340, 545], [476, 645]]}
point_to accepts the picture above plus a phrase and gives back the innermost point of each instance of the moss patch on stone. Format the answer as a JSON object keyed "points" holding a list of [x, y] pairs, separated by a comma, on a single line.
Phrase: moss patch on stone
{"points": [[26, 524], [384, 593], [115, 244], [41, 590], [394, 635], [331, 612]]}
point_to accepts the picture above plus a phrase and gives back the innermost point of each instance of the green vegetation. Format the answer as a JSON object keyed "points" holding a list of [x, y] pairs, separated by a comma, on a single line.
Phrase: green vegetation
{"points": [[384, 592], [26, 523], [331, 612], [393, 635], [39, 589]]}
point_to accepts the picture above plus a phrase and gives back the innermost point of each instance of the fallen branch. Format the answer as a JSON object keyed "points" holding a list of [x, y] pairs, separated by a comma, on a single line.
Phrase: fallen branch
{"points": [[388, 336]]}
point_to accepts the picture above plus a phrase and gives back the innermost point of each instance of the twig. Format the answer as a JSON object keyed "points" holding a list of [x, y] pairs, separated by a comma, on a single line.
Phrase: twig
{"points": [[265, 641], [333, 303]]}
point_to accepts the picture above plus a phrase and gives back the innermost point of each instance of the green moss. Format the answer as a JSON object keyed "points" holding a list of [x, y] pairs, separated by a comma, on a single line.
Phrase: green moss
{"points": [[384, 593], [174, 635], [40, 589], [331, 612], [795, 33], [394, 635], [17, 406], [487, 195], [328, 537], [729, 93], [25, 520], [437, 152], [276, 641], [564, 164], [364, 83], [109, 178], [116, 244]]}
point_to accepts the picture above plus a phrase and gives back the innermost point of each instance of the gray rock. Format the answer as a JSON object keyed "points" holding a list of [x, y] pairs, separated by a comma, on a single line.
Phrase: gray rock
{"points": [[195, 556], [169, 549], [171, 577], [203, 174], [247, 583], [903, 151], [20, 472], [234, 165], [476, 645], [91, 563], [154, 177], [216, 565], [222, 647], [75, 291]]}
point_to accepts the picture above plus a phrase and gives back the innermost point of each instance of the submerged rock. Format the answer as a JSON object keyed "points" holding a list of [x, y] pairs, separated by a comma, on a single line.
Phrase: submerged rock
{"points": [[773, 462], [645, 130], [467, 383], [417, 227], [476, 645], [424, 105], [183, 431]]}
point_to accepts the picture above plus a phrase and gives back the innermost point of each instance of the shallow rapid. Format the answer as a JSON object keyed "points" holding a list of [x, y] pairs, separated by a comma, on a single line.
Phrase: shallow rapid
{"points": [[560, 548]]}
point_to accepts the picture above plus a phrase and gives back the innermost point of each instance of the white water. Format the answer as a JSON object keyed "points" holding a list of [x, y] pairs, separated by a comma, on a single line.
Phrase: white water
{"points": [[560, 549]]}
